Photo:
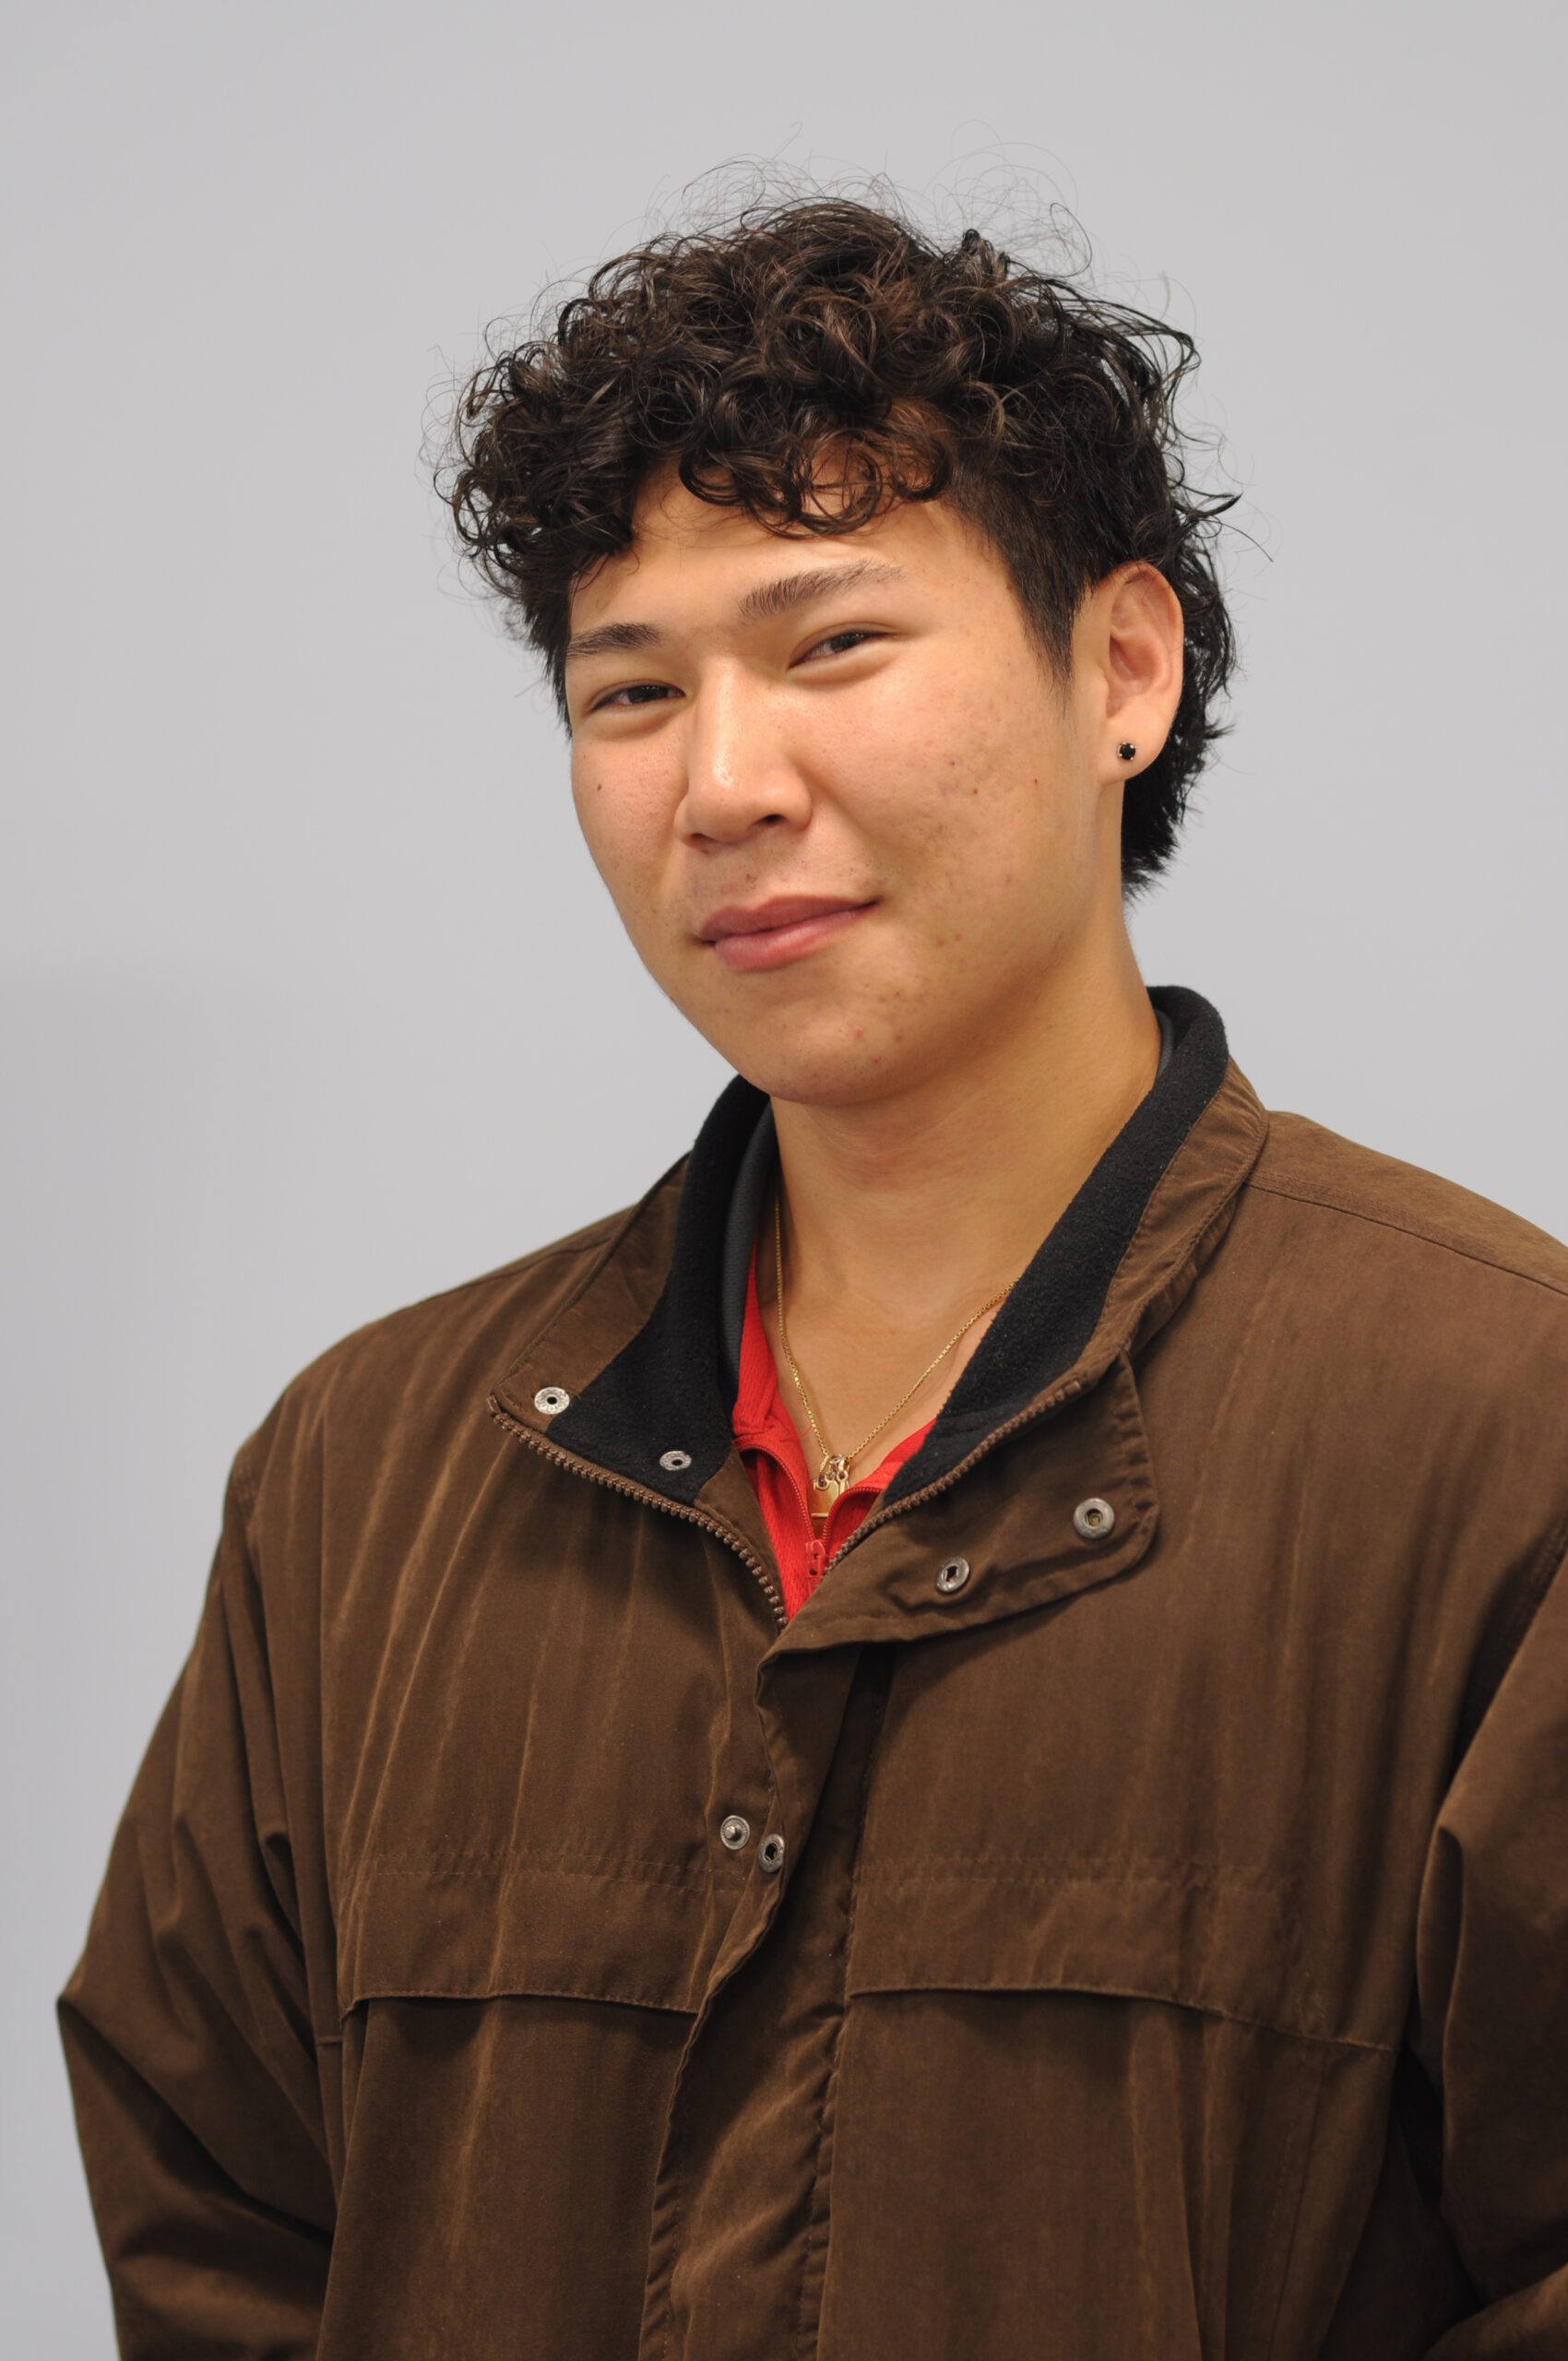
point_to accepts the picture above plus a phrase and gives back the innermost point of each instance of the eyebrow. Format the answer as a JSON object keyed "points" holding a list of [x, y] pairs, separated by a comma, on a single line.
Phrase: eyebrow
{"points": [[768, 601]]}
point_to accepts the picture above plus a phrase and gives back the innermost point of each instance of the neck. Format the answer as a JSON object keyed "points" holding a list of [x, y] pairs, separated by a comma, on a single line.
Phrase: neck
{"points": [[901, 1216]]}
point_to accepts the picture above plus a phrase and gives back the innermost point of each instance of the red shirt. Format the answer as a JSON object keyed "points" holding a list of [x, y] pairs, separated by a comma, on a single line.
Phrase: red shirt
{"points": [[766, 1438]]}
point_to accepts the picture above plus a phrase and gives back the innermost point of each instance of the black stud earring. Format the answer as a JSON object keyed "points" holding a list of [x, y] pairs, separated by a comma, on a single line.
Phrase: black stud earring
{"points": [[1126, 750]]}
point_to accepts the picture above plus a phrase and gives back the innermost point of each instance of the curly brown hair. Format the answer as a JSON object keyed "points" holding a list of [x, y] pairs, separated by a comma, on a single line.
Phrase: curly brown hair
{"points": [[830, 333]]}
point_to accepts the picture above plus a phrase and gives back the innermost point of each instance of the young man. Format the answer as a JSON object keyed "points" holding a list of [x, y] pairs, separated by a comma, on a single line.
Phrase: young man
{"points": [[950, 1737]]}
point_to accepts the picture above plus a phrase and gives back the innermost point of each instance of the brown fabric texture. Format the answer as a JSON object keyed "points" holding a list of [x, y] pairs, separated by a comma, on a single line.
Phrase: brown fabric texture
{"points": [[1169, 1955]]}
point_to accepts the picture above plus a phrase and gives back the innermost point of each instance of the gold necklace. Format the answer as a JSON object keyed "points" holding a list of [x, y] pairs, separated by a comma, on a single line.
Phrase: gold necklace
{"points": [[833, 1475]]}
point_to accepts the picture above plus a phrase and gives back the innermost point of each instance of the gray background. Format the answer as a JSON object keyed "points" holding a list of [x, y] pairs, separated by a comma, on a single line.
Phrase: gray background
{"points": [[312, 1002]]}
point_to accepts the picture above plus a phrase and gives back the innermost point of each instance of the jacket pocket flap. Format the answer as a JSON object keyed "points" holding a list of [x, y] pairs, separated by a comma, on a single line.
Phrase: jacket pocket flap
{"points": [[484, 1929], [1189, 1935]]}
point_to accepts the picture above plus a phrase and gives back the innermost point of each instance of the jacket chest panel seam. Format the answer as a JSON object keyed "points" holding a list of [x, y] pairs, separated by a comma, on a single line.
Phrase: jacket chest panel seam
{"points": [[492, 1868]]}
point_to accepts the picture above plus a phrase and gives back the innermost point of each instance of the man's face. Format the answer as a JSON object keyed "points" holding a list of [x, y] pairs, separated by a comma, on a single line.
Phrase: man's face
{"points": [[857, 724]]}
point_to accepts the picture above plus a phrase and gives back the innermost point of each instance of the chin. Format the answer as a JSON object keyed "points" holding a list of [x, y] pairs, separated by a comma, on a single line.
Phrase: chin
{"points": [[842, 1073]]}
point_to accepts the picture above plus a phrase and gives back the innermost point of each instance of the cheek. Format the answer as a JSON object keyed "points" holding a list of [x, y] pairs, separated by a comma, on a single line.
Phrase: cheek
{"points": [[622, 828], [899, 763], [963, 790]]}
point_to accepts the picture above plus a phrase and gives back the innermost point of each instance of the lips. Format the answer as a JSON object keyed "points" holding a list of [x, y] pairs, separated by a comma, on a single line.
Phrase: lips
{"points": [[777, 933], [788, 910]]}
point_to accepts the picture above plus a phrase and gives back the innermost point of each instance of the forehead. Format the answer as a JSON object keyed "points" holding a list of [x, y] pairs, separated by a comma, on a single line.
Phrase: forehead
{"points": [[683, 547]]}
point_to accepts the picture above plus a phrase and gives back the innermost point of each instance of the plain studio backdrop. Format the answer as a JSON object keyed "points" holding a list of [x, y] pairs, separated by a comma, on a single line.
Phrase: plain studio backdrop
{"points": [[314, 1002]]}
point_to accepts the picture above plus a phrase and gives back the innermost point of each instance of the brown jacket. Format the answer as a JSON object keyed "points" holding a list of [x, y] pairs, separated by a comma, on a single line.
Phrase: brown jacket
{"points": [[1169, 1954]]}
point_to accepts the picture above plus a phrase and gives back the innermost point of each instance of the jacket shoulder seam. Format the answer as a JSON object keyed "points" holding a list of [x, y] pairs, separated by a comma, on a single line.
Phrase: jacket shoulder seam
{"points": [[1326, 1203]]}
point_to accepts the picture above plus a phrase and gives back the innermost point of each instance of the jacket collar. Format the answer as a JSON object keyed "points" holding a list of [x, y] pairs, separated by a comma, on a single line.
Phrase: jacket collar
{"points": [[639, 1348]]}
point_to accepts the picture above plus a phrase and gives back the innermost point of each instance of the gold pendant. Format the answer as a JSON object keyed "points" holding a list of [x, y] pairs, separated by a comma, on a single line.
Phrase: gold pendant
{"points": [[832, 1477]]}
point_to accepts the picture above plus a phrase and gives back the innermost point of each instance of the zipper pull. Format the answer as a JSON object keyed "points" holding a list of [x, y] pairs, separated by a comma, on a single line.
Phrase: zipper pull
{"points": [[816, 1558]]}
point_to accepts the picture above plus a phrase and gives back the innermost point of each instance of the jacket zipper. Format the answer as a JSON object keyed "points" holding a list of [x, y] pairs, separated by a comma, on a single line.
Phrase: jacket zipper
{"points": [[732, 1539], [655, 1499], [929, 1491]]}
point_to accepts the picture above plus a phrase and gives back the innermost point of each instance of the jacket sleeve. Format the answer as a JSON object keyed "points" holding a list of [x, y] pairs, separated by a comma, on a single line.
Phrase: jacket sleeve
{"points": [[187, 2025], [1493, 2004]]}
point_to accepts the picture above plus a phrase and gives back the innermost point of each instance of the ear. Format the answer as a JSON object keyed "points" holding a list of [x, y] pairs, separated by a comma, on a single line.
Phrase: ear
{"points": [[1130, 637]]}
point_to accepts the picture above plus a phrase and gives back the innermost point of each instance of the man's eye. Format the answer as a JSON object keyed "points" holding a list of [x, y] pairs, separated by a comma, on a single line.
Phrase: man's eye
{"points": [[838, 642], [637, 693]]}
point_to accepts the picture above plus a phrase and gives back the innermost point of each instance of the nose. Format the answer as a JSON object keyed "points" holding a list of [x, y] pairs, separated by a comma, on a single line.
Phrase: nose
{"points": [[740, 772]]}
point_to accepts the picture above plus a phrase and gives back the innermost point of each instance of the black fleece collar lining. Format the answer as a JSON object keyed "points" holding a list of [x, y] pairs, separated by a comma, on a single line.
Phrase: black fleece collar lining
{"points": [[670, 1388], [740, 1228]]}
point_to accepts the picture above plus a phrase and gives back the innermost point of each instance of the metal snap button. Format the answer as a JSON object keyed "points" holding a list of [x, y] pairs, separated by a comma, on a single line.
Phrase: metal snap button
{"points": [[734, 1831], [770, 1856], [952, 1576], [673, 1461], [551, 1400], [1094, 1519]]}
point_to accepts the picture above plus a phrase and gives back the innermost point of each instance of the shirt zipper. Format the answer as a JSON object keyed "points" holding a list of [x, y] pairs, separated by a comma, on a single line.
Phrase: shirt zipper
{"points": [[817, 1560], [726, 1533]]}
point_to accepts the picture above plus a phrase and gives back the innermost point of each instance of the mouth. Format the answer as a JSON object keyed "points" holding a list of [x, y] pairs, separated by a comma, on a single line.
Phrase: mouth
{"points": [[779, 931]]}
